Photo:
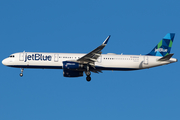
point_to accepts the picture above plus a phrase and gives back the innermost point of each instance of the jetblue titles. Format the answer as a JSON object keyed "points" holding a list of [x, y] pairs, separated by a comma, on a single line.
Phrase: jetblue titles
{"points": [[38, 57], [161, 50]]}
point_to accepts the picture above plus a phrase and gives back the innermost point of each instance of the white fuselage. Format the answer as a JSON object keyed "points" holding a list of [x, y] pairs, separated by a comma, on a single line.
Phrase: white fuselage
{"points": [[104, 62]]}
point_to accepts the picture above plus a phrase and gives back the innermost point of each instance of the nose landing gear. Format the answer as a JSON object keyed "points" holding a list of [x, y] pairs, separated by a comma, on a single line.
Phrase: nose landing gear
{"points": [[21, 74]]}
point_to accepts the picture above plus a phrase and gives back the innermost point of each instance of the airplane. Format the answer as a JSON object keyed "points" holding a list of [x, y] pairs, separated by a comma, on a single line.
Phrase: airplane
{"points": [[74, 65]]}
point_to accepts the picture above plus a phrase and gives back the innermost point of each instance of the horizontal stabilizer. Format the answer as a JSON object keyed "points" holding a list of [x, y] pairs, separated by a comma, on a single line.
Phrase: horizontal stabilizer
{"points": [[167, 57]]}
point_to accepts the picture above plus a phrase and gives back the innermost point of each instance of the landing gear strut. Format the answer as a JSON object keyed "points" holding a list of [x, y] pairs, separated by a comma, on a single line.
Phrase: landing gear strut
{"points": [[21, 74], [88, 73]]}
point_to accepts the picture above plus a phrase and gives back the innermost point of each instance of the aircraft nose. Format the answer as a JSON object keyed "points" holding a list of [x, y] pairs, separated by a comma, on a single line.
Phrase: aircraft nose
{"points": [[4, 62]]}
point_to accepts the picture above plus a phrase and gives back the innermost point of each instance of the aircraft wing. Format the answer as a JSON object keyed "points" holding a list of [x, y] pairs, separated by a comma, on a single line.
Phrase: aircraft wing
{"points": [[92, 56]]}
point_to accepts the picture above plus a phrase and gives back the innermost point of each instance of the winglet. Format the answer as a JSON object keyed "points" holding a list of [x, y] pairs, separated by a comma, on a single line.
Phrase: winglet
{"points": [[105, 42]]}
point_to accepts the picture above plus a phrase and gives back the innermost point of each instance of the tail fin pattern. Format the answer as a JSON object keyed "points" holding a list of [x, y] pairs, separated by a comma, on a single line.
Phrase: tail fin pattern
{"points": [[163, 48]]}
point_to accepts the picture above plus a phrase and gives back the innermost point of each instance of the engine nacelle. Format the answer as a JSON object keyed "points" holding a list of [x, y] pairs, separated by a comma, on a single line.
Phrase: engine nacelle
{"points": [[68, 65], [71, 73]]}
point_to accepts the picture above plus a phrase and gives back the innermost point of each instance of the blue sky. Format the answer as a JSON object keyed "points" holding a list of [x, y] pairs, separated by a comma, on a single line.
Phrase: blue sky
{"points": [[79, 27]]}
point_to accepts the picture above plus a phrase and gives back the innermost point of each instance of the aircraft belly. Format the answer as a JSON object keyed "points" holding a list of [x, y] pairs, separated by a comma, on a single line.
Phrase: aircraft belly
{"points": [[37, 64]]}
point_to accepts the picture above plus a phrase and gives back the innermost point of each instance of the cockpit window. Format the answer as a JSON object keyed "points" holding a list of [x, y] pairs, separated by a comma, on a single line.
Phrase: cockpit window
{"points": [[11, 56]]}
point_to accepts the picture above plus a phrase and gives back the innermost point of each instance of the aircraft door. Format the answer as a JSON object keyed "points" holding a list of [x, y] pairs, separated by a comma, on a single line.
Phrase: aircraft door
{"points": [[146, 60], [21, 56], [56, 57]]}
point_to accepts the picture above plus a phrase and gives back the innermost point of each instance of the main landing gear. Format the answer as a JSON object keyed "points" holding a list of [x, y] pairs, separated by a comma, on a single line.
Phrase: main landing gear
{"points": [[88, 73], [21, 74], [88, 78]]}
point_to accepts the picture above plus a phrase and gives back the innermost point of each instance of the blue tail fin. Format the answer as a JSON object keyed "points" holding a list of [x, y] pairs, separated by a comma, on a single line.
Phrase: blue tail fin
{"points": [[163, 48]]}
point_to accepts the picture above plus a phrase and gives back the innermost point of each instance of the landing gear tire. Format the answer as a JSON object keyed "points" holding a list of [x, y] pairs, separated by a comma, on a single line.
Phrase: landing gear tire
{"points": [[88, 78], [21, 74]]}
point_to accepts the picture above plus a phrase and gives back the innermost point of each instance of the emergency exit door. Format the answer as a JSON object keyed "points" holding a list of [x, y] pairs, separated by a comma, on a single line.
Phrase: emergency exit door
{"points": [[99, 60], [56, 57]]}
